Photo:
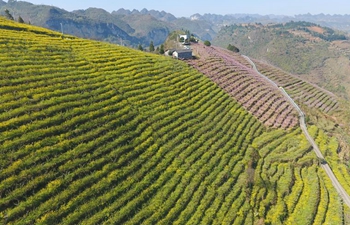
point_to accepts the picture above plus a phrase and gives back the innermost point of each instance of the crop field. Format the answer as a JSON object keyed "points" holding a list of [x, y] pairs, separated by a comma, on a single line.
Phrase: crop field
{"points": [[94, 133], [239, 80], [330, 147], [300, 90]]}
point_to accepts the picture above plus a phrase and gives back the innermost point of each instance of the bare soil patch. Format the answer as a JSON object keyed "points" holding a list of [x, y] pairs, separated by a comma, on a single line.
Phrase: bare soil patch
{"points": [[317, 29]]}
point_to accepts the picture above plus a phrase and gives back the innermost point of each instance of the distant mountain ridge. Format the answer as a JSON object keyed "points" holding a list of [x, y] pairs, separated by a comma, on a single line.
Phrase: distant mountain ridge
{"points": [[134, 27], [339, 22], [58, 19], [160, 15]]}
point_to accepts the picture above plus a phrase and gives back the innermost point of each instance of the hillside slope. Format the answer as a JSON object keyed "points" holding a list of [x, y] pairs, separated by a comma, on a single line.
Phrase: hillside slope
{"points": [[234, 74], [312, 53], [318, 54], [93, 133]]}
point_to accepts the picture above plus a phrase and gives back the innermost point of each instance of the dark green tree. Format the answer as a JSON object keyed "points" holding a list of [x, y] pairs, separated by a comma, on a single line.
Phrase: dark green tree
{"points": [[151, 47], [140, 47], [207, 43], [193, 38], [232, 48], [161, 50], [8, 15], [20, 20], [188, 33]]}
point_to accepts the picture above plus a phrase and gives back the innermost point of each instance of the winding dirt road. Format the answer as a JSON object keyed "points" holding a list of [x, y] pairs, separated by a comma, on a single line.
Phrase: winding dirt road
{"points": [[343, 194]]}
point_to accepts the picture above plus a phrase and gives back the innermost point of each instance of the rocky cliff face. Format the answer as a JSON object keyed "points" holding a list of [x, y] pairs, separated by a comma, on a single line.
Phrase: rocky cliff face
{"points": [[157, 36], [2, 3], [122, 27], [73, 23], [91, 30]]}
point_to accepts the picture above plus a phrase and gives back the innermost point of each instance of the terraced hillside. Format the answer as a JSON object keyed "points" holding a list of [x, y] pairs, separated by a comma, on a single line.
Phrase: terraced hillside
{"points": [[93, 133], [300, 90], [237, 78]]}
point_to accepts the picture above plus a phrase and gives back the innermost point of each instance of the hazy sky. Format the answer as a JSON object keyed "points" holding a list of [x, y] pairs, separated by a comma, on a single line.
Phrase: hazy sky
{"points": [[190, 7]]}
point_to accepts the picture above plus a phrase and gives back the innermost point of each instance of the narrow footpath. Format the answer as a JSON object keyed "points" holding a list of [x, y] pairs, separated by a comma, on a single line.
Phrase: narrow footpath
{"points": [[303, 127]]}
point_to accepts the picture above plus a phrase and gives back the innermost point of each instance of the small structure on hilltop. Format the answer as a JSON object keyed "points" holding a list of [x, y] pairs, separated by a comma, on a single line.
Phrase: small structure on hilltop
{"points": [[183, 54], [183, 37]]}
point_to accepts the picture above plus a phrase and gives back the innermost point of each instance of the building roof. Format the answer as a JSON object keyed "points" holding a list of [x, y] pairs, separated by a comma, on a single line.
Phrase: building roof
{"points": [[183, 50]]}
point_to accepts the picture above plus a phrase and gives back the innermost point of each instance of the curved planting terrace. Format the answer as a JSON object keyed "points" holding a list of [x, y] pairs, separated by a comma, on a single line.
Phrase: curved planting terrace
{"points": [[93, 133], [300, 90], [234, 74]]}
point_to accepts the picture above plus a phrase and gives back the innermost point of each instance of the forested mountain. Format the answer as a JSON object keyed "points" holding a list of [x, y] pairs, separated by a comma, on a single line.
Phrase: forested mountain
{"points": [[134, 27], [163, 16], [71, 23], [338, 22], [122, 27]]}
